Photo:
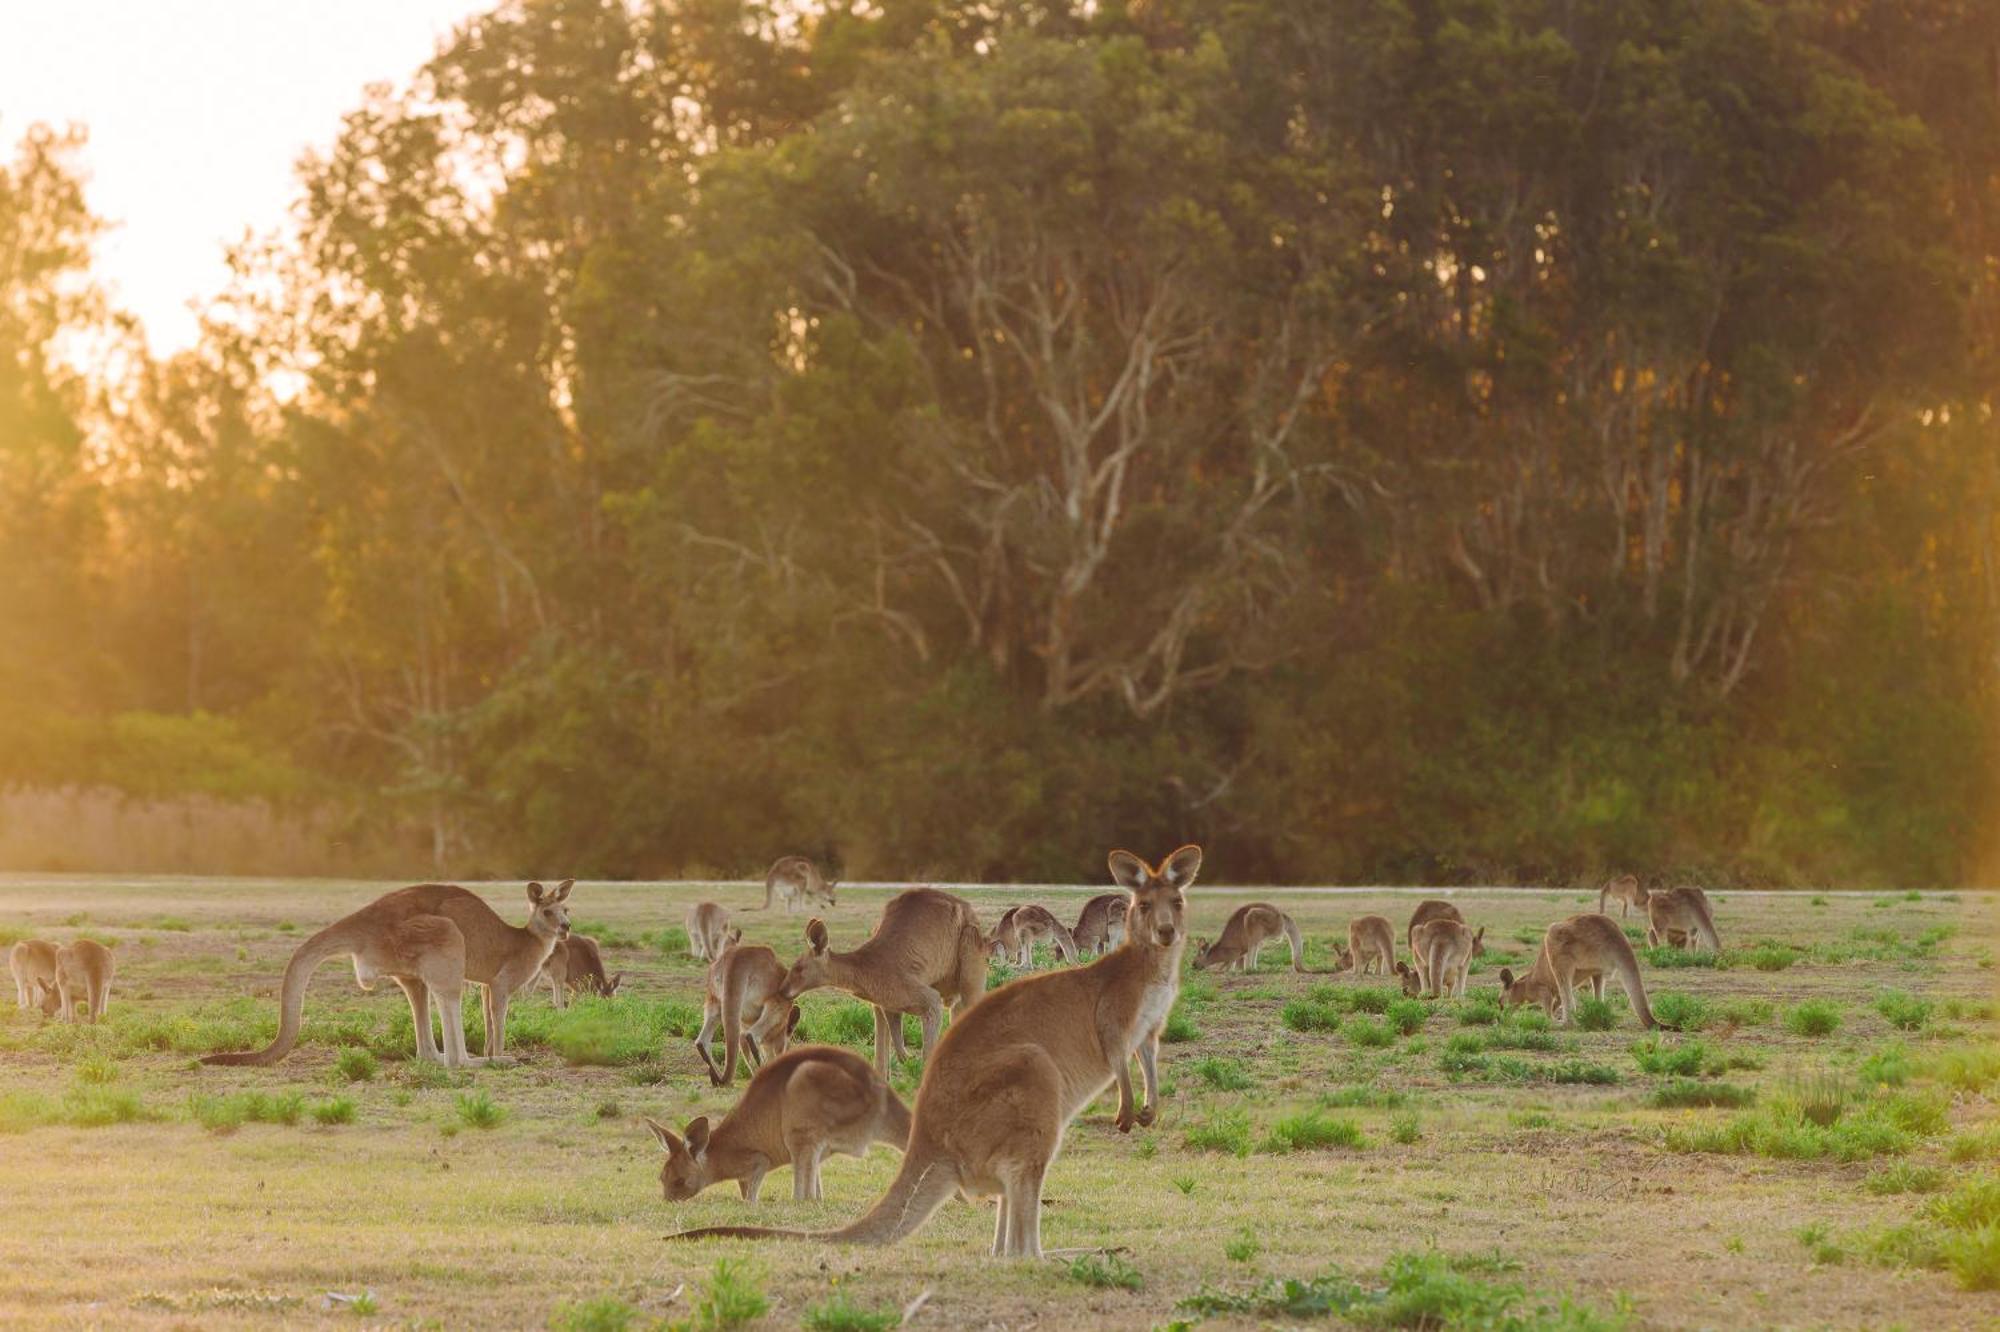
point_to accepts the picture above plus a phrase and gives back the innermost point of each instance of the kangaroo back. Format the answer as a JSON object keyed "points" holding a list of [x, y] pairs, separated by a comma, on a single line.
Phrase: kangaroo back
{"points": [[339, 937]]}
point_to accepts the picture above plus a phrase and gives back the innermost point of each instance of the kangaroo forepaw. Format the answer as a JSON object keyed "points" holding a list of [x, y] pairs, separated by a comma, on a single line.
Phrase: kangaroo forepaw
{"points": [[1146, 1116]]}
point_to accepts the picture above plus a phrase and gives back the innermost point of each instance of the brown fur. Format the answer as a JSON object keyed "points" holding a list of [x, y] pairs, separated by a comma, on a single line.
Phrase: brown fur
{"points": [[796, 880], [1371, 942], [1101, 924], [33, 963], [1677, 914], [83, 980], [1021, 927], [708, 931], [1626, 890], [1447, 948], [1243, 937], [575, 964], [927, 952], [1432, 908], [744, 998], [432, 940], [1002, 1087], [1583, 948], [801, 1107]]}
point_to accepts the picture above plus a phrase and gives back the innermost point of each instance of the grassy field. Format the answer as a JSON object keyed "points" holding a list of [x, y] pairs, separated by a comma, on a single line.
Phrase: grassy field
{"points": [[1816, 1147]]}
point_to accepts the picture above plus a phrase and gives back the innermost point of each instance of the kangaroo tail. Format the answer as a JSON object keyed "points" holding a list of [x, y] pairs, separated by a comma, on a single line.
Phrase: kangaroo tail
{"points": [[767, 896], [335, 939], [895, 1120], [1706, 926], [1635, 990], [1297, 941], [732, 1026], [1602, 894], [1434, 964], [1064, 941], [923, 1185]]}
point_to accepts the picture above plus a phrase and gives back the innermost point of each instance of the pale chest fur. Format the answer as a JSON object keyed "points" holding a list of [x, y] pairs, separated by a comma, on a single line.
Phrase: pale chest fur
{"points": [[1155, 1001]]}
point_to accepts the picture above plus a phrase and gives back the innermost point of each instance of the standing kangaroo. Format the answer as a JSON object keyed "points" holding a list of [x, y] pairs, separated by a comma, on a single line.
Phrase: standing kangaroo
{"points": [[1626, 890], [575, 964], [796, 880], [33, 962], [432, 940], [1371, 942], [1020, 927], [83, 979], [744, 998], [1582, 948], [1101, 924], [1001, 1089], [1447, 948], [1684, 912], [801, 1107], [927, 951], [708, 930], [1243, 937], [1432, 908]]}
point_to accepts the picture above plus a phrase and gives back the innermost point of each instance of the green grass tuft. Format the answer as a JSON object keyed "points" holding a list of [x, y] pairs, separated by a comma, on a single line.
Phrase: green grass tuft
{"points": [[1312, 1129], [1813, 1018], [477, 1109], [841, 1314], [1104, 1271]]}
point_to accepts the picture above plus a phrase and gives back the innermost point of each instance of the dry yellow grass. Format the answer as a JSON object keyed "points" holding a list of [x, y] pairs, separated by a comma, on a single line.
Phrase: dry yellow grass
{"points": [[167, 1223]]}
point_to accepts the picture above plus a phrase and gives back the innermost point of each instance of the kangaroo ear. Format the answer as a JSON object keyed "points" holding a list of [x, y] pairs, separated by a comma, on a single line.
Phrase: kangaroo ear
{"points": [[1478, 935], [816, 934], [663, 1133], [561, 893], [1127, 870], [536, 893], [697, 1137], [1180, 868], [736, 935], [1506, 978], [612, 988], [792, 1022], [1402, 968]]}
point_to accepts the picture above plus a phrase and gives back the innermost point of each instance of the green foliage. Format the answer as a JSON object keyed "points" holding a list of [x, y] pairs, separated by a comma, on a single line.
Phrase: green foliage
{"points": [[612, 1031], [605, 1313], [1479, 1011], [1105, 1271], [1687, 1059], [226, 1113], [1406, 1129], [1684, 1093], [842, 1314], [1903, 1011], [1903, 1177], [732, 1296], [1368, 1033], [1813, 1018], [1408, 1016], [477, 1109], [1418, 1291], [1222, 1074], [356, 1065], [334, 1110], [1595, 1014], [1681, 1012], [1311, 1129], [1362, 1098], [1227, 1131], [1179, 1026], [1242, 1247]]}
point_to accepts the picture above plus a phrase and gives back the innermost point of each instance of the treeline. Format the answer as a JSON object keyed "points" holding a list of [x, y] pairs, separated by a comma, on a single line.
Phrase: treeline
{"points": [[1419, 441]]}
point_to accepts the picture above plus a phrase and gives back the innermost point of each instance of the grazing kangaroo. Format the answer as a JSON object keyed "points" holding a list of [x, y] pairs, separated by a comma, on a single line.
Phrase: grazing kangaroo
{"points": [[1447, 948], [1626, 890], [1243, 937], [1001, 1089], [83, 979], [33, 962], [1582, 948], [1021, 927], [708, 931], [1101, 925], [1371, 942], [744, 998], [796, 880], [575, 964], [927, 951], [800, 1108], [1432, 908], [1683, 912], [432, 940]]}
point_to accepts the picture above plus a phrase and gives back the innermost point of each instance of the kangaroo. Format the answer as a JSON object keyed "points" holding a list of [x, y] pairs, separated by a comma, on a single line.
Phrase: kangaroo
{"points": [[1432, 908], [1582, 948], [33, 962], [1002, 1087], [1447, 948], [708, 931], [927, 951], [1243, 937], [744, 999], [1371, 941], [1626, 890], [1101, 926], [575, 964], [1413, 980], [796, 880], [1021, 926], [803, 1106], [83, 980], [432, 940], [1681, 911]]}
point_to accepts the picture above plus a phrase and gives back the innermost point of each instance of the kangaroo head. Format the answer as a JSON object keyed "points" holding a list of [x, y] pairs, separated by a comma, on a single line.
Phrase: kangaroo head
{"points": [[51, 1001], [1342, 958], [811, 971], [550, 917], [1201, 947], [1158, 915], [1413, 984], [611, 986], [1518, 990], [685, 1172], [734, 937], [1478, 944], [831, 884]]}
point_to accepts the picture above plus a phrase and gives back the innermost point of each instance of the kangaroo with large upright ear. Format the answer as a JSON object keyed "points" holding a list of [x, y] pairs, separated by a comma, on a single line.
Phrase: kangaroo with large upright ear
{"points": [[432, 940], [1012, 1072]]}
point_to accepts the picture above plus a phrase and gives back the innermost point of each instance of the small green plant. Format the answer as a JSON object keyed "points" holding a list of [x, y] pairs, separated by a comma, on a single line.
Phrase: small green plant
{"points": [[1227, 1132], [1222, 1074], [1408, 1015], [1819, 1240], [1361, 1098], [1311, 1014], [1888, 1066], [1312, 1129], [1817, 899], [1744, 1013], [1979, 1144], [477, 1109], [1242, 1247], [1179, 1026], [364, 1305], [1577, 1071], [96, 1070], [1903, 1011], [606, 1313], [1813, 1018], [1105, 1271], [1595, 1014], [356, 1065], [732, 1296], [1684, 1060], [1967, 1068], [1481, 1010], [1186, 1184], [1683, 1093], [1903, 1177], [337, 1110], [841, 1314], [1406, 1128], [1681, 1012], [1368, 1033]]}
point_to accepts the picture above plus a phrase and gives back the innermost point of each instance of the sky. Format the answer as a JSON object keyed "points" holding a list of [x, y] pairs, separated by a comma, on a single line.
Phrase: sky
{"points": [[197, 112]]}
